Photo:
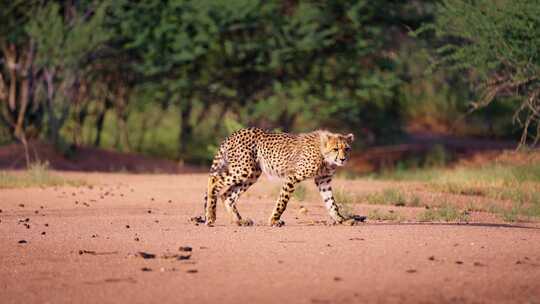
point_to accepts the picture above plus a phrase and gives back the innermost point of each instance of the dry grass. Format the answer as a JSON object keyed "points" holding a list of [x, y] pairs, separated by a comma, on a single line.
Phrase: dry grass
{"points": [[392, 196], [343, 197], [445, 213], [37, 175], [300, 193], [517, 184], [377, 215]]}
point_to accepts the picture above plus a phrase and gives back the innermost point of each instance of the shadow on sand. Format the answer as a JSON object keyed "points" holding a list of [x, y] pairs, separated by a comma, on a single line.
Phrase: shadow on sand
{"points": [[485, 225]]}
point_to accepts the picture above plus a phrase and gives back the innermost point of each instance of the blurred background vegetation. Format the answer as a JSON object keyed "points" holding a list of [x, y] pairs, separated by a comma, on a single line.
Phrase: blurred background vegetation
{"points": [[172, 78]]}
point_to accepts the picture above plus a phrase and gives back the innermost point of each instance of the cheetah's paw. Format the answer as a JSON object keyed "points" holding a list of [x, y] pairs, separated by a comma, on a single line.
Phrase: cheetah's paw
{"points": [[244, 222], [276, 223], [197, 220]]}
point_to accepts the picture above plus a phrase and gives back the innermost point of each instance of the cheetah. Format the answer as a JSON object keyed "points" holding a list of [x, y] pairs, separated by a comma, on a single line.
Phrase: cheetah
{"points": [[245, 154]]}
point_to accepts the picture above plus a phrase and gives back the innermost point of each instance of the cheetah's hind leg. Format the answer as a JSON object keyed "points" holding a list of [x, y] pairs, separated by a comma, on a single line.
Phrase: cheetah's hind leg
{"points": [[230, 197], [211, 199]]}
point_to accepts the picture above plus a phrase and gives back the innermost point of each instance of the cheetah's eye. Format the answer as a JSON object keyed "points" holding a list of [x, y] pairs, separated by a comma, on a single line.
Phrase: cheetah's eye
{"points": [[336, 149]]}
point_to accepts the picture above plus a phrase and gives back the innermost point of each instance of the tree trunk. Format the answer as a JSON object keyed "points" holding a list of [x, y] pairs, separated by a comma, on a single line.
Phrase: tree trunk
{"points": [[122, 116], [99, 124], [186, 130], [54, 125], [10, 52], [144, 128], [20, 74], [286, 121], [221, 116]]}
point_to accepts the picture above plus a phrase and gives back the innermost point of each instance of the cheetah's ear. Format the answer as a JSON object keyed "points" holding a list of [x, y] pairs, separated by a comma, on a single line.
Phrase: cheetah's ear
{"points": [[349, 137]]}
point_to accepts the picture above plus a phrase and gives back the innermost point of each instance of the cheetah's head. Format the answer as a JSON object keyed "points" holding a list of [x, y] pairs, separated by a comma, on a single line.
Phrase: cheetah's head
{"points": [[336, 148]]}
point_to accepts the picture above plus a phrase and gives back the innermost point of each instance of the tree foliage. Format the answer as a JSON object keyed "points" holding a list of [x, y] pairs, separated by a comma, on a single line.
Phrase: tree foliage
{"points": [[499, 42], [171, 77], [47, 50]]}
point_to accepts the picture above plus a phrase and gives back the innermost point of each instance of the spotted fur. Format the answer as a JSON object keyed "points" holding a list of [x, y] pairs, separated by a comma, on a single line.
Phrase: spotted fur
{"points": [[245, 154]]}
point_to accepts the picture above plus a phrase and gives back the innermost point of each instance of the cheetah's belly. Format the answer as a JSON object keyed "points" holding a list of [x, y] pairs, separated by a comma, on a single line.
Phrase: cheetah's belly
{"points": [[272, 172]]}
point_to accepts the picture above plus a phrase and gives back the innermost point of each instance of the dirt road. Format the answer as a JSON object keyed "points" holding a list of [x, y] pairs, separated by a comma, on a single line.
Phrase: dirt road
{"points": [[119, 242]]}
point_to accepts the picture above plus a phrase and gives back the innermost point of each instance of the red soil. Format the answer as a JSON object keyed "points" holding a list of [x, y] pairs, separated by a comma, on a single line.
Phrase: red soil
{"points": [[82, 246]]}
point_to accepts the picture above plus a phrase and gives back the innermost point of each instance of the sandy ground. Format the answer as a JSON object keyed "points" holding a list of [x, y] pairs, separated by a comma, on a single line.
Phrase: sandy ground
{"points": [[81, 245]]}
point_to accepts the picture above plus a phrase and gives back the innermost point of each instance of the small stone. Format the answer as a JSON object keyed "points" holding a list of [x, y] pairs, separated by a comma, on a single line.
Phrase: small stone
{"points": [[431, 258], [23, 242], [146, 255], [43, 233], [21, 205], [149, 211], [337, 279], [411, 271], [459, 262], [192, 271], [185, 248], [136, 239], [127, 226], [146, 269]]}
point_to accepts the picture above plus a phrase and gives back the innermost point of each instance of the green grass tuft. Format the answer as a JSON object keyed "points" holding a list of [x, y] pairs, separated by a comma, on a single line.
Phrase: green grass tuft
{"points": [[392, 196], [446, 213], [343, 197], [300, 192], [377, 215]]}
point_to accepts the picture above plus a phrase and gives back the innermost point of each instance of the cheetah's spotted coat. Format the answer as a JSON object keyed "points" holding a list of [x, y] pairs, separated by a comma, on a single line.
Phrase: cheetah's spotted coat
{"points": [[245, 154]]}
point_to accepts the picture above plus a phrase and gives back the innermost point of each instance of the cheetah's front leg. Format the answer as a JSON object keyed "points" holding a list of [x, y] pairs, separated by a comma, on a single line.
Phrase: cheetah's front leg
{"points": [[323, 183], [285, 194]]}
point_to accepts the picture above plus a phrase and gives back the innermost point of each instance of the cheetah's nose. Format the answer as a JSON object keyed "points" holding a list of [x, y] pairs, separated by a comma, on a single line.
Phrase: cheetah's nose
{"points": [[343, 159]]}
